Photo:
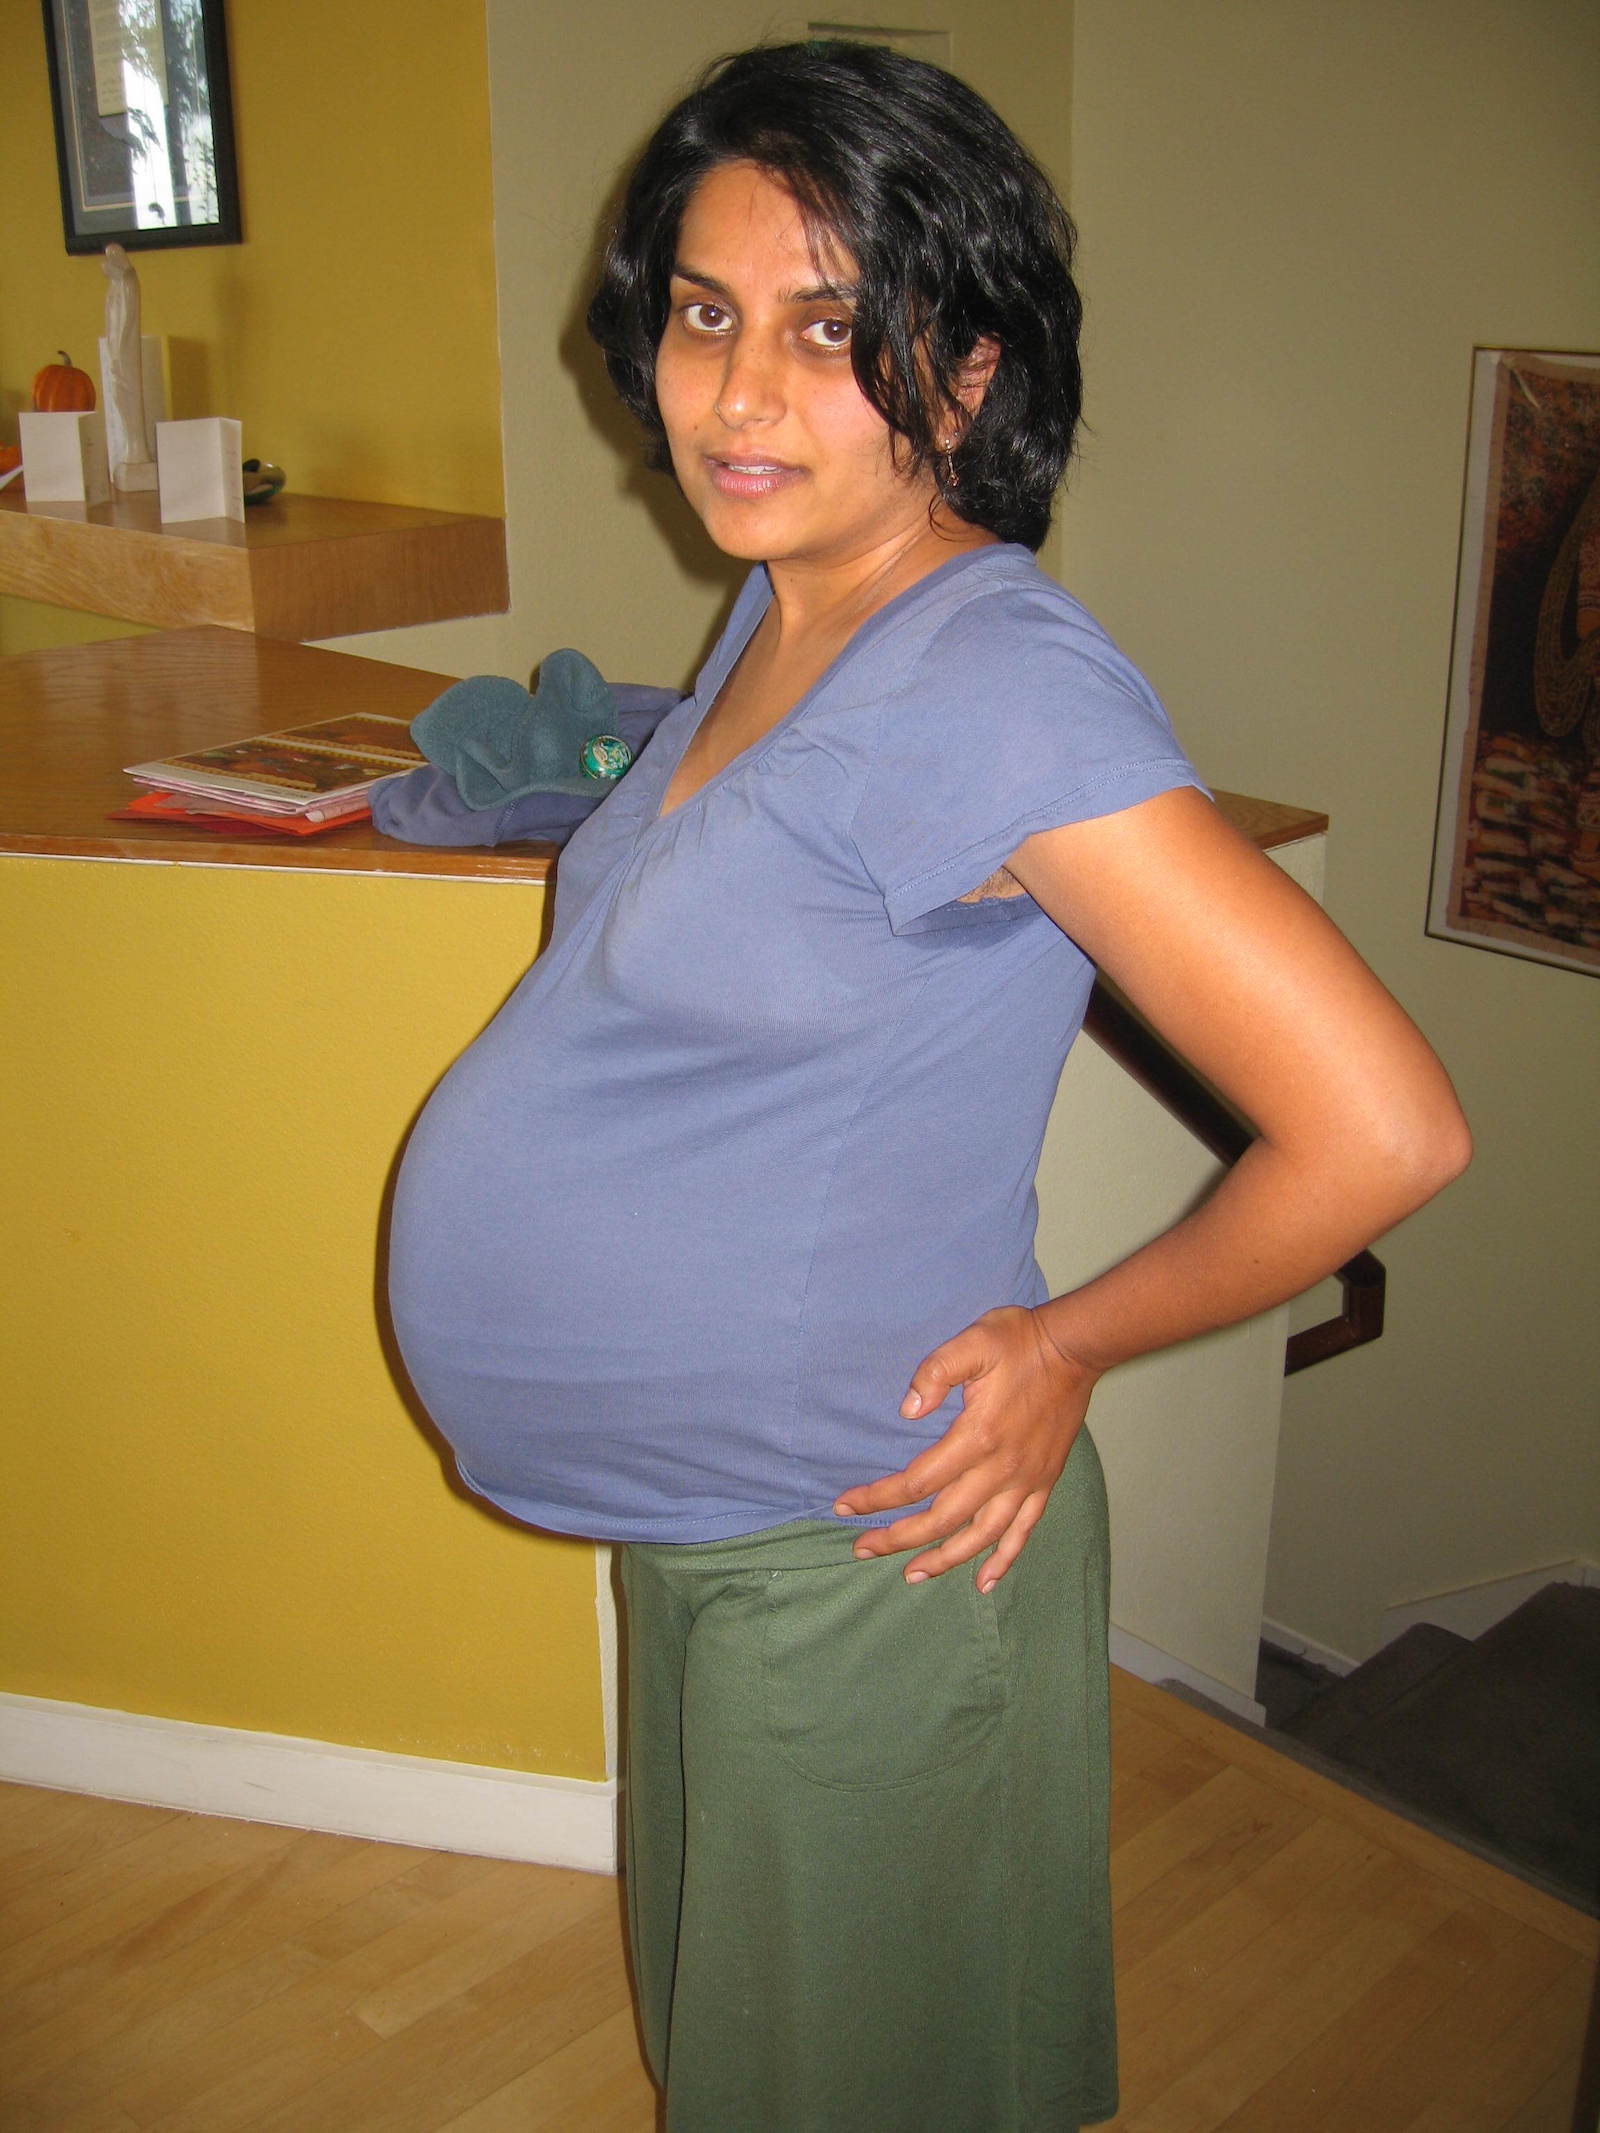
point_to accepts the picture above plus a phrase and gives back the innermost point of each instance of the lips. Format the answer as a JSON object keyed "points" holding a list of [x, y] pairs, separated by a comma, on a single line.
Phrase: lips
{"points": [[751, 477]]}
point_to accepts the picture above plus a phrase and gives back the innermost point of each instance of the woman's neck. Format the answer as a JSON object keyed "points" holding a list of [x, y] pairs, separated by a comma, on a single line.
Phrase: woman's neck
{"points": [[834, 598]]}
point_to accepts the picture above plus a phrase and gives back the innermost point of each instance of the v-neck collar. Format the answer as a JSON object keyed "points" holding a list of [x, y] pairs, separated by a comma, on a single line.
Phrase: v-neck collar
{"points": [[734, 644]]}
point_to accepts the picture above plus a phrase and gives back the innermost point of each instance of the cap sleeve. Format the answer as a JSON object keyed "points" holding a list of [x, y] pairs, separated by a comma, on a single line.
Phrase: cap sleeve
{"points": [[1019, 715]]}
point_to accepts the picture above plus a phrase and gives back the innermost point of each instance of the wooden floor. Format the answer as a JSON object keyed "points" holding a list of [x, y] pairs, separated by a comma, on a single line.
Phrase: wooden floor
{"points": [[1291, 1960]]}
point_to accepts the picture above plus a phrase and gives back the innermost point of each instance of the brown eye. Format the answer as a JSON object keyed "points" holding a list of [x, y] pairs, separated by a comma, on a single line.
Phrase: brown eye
{"points": [[828, 333], [704, 317]]}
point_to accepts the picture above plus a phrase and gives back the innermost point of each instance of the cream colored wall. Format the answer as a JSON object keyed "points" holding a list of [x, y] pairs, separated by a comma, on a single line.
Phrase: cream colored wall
{"points": [[603, 555], [1188, 1437], [1297, 221]]}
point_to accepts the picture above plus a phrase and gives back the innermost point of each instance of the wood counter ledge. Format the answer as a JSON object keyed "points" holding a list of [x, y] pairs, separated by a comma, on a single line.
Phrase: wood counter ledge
{"points": [[298, 567], [72, 720]]}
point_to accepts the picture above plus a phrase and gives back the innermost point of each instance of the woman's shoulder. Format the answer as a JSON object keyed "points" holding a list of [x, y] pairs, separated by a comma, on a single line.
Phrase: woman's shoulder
{"points": [[1009, 619], [993, 632], [1010, 711]]}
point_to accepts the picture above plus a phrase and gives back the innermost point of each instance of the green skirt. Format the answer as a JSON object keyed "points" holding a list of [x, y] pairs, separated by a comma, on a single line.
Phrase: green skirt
{"points": [[867, 1831]]}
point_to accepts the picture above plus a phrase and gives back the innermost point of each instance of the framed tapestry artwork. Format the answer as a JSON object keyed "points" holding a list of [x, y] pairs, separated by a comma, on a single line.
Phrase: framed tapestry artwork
{"points": [[1516, 863], [144, 122]]}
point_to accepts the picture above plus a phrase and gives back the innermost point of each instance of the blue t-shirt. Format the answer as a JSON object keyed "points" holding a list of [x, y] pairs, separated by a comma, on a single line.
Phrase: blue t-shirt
{"points": [[760, 1127]]}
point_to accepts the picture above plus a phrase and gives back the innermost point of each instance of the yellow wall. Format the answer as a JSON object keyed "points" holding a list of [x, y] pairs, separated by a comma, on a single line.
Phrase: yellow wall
{"points": [[353, 332], [1297, 221], [217, 1505]]}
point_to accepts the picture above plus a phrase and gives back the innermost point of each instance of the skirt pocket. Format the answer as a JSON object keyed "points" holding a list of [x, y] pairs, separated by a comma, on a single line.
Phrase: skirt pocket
{"points": [[869, 1681]]}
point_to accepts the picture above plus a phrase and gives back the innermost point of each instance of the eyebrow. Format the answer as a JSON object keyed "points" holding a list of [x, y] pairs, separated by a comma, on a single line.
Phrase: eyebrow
{"points": [[822, 292]]}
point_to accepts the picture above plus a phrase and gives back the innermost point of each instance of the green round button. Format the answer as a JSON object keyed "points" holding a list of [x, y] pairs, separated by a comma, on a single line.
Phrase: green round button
{"points": [[606, 757]]}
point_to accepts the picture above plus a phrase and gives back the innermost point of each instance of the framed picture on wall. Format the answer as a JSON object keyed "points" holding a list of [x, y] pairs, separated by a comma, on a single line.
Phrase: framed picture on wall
{"points": [[144, 122], [1516, 864]]}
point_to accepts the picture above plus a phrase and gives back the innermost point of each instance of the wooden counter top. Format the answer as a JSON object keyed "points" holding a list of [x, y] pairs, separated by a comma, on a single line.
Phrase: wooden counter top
{"points": [[71, 720]]}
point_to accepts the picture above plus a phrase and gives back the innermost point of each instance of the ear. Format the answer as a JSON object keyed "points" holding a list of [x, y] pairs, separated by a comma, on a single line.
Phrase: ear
{"points": [[972, 380]]}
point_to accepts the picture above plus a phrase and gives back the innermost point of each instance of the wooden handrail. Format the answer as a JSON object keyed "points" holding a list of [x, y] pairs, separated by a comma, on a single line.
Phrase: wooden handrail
{"points": [[1155, 1066]]}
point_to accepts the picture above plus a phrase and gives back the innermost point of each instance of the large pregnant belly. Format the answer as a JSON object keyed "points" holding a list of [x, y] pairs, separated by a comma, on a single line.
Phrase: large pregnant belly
{"points": [[589, 1328], [626, 1335]]}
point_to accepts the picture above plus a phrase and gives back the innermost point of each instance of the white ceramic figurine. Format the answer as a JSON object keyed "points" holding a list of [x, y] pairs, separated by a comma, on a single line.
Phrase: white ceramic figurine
{"points": [[123, 377]]}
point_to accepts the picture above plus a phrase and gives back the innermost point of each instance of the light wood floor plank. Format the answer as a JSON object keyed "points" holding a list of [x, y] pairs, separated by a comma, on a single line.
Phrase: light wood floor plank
{"points": [[435, 1875], [1515, 2062], [1253, 1753], [470, 1962], [234, 2074], [1165, 1781], [132, 1840], [60, 2101], [1303, 2003], [1181, 2004], [30, 1809], [596, 2082], [104, 2117], [1202, 1845], [1391, 2088], [85, 1873], [469, 2047], [169, 1842], [154, 1945], [1309, 2088], [1291, 1959], [1137, 1740], [1313, 1869], [134, 1889], [1550, 2111], [23, 1806], [49, 1832], [150, 2007]]}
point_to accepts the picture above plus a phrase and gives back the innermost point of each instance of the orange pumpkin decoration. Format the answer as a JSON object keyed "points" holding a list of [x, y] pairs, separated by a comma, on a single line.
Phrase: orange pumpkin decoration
{"points": [[59, 389]]}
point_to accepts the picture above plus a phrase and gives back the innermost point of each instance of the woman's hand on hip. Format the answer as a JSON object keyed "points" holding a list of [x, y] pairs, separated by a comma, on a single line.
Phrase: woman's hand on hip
{"points": [[991, 1473]]}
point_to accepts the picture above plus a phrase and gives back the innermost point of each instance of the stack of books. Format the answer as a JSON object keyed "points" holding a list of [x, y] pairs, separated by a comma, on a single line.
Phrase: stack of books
{"points": [[298, 782]]}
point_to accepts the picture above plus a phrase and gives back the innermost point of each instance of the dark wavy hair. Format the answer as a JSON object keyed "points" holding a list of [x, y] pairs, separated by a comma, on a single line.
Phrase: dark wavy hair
{"points": [[956, 233]]}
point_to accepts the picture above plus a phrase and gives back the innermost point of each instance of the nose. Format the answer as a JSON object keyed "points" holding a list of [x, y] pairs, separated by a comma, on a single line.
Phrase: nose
{"points": [[751, 390]]}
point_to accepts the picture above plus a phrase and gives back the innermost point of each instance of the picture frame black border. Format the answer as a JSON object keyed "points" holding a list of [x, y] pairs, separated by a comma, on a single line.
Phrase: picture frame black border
{"points": [[227, 229], [1479, 579]]}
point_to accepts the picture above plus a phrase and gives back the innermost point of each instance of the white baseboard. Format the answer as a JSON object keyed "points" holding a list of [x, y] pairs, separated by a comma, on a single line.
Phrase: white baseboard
{"points": [[1471, 1609], [368, 1792], [1134, 1656], [1302, 1647], [310, 1784]]}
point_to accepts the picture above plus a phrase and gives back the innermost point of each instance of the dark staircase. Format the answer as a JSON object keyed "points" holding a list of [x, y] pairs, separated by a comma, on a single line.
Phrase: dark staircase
{"points": [[1493, 1742]]}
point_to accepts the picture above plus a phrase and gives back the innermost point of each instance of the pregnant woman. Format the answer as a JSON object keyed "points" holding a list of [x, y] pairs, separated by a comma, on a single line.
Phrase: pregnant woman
{"points": [[719, 1242]]}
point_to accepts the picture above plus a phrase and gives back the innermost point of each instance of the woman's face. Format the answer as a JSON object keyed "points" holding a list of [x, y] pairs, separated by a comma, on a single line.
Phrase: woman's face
{"points": [[771, 438]]}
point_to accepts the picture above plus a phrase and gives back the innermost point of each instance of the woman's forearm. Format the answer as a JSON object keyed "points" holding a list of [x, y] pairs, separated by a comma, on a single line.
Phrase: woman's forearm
{"points": [[1273, 1228]]}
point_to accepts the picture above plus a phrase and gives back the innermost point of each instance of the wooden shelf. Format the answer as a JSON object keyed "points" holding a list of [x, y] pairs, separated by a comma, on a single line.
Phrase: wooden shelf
{"points": [[300, 567], [1269, 822]]}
